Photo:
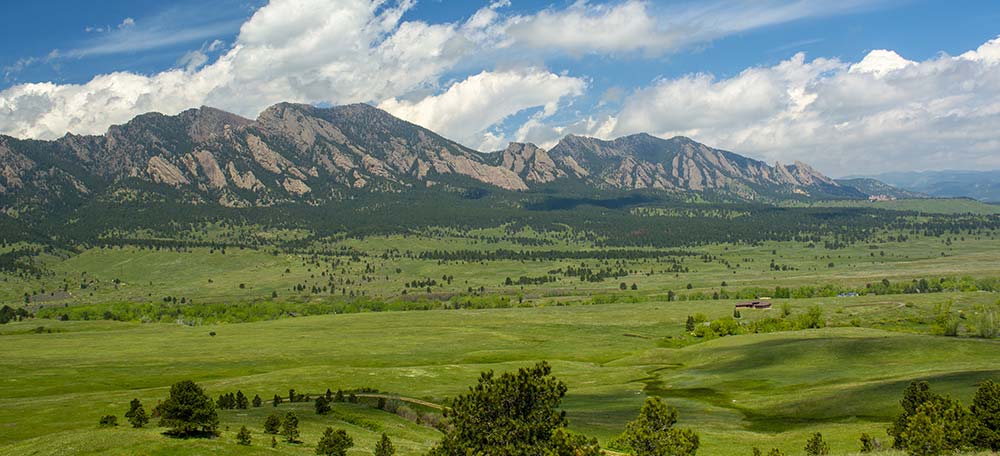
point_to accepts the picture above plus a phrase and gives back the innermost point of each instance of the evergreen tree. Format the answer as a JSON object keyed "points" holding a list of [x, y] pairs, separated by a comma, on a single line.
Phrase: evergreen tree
{"points": [[816, 446], [322, 405], [986, 410], [915, 395], [256, 400], [652, 433], [290, 427], [276, 400], [272, 424], [689, 326], [512, 414], [869, 444], [384, 447], [241, 401], [188, 411], [334, 443], [108, 421], [339, 397], [136, 415], [243, 437]]}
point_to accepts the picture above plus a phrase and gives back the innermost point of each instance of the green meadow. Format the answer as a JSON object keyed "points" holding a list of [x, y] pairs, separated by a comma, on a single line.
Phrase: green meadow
{"points": [[766, 390]]}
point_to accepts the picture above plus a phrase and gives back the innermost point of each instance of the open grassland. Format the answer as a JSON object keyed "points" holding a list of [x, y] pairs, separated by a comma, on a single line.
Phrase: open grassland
{"points": [[766, 390], [385, 266]]}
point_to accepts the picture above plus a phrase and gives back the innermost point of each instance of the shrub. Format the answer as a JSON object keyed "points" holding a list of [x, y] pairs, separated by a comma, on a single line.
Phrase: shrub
{"points": [[986, 411], [870, 444], [384, 447], [108, 421]]}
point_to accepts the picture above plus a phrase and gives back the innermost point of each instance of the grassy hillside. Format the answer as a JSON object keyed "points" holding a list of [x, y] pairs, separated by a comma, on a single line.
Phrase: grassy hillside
{"points": [[929, 205], [739, 391]]}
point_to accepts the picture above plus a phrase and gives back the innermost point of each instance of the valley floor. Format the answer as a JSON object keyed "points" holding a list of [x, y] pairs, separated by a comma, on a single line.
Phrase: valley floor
{"points": [[765, 390]]}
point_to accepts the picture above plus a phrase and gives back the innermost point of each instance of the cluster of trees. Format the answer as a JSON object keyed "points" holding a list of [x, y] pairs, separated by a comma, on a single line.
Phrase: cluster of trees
{"points": [[9, 314], [932, 424], [238, 400], [699, 326]]}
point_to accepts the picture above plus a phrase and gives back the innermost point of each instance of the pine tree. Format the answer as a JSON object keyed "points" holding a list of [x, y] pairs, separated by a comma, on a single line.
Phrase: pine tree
{"points": [[276, 400], [290, 427], [986, 410], [243, 437], [384, 447], [241, 401], [652, 433], [188, 411], [136, 415], [689, 326], [272, 424], [256, 400], [816, 446], [322, 405], [334, 443]]}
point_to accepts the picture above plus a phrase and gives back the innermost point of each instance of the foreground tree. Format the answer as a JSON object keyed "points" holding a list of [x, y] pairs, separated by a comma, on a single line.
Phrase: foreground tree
{"points": [[512, 414], [915, 395], [652, 433], [986, 410], [334, 443], [290, 428], [937, 427], [384, 447], [243, 437], [187, 411]]}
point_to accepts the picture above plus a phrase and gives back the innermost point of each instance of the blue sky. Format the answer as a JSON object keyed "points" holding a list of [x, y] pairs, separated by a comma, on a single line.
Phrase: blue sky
{"points": [[727, 73]]}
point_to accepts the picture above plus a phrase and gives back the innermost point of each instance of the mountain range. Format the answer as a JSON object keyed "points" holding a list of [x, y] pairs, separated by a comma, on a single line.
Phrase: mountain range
{"points": [[295, 153], [980, 185]]}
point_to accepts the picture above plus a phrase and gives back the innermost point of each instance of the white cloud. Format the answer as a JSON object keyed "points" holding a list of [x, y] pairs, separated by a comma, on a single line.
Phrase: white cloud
{"points": [[468, 108], [884, 112], [645, 26]]}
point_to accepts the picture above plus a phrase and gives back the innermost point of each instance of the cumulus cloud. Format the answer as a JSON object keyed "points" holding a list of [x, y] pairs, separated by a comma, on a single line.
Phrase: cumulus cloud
{"points": [[290, 50], [885, 112], [468, 108]]}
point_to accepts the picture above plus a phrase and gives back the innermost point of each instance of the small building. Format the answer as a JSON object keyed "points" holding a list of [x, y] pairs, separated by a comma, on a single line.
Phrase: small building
{"points": [[753, 305]]}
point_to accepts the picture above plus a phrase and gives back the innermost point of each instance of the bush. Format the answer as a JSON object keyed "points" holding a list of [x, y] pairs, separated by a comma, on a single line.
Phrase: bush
{"points": [[870, 444], [108, 421], [384, 447], [986, 411]]}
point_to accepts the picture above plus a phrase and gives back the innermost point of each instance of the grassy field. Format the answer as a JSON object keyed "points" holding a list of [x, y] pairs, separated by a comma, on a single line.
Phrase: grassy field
{"points": [[204, 275], [929, 205], [767, 390]]}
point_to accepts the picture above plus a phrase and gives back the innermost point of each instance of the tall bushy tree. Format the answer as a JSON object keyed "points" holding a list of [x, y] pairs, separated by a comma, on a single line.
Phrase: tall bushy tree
{"points": [[136, 415], [322, 405], [915, 395], [384, 447], [241, 400], [188, 411], [986, 411], [243, 437], [334, 443], [816, 446], [652, 433], [938, 426], [256, 400], [272, 424], [290, 427], [512, 414]]}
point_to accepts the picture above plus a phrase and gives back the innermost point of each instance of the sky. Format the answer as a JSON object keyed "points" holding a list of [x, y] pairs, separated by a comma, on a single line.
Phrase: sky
{"points": [[849, 86]]}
